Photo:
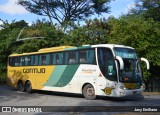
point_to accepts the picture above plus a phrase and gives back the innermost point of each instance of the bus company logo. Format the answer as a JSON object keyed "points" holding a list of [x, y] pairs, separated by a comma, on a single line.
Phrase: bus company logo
{"points": [[88, 70], [34, 70], [6, 109]]}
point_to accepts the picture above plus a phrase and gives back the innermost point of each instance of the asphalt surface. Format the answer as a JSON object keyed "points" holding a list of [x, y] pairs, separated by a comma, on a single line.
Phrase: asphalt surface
{"points": [[60, 101]]}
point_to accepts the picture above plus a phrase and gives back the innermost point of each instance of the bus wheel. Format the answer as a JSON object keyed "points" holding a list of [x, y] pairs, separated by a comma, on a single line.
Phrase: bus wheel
{"points": [[89, 92], [21, 86], [28, 87]]}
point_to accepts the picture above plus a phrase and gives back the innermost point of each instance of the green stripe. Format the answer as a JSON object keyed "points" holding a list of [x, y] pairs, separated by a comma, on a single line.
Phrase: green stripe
{"points": [[84, 47], [72, 48], [56, 75], [67, 75]]}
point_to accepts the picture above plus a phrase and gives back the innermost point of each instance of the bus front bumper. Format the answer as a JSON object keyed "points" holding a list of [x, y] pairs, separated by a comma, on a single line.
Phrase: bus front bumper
{"points": [[125, 92]]}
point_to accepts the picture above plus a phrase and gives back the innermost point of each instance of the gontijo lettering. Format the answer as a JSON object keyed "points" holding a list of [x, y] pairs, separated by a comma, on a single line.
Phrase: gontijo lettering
{"points": [[34, 70]]}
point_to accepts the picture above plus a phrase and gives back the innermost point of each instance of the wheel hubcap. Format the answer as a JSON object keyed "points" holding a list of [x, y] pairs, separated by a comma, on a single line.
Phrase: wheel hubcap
{"points": [[90, 91]]}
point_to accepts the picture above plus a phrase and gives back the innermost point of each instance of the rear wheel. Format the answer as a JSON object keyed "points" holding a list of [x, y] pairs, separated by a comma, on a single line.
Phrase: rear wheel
{"points": [[89, 92], [28, 87], [21, 86]]}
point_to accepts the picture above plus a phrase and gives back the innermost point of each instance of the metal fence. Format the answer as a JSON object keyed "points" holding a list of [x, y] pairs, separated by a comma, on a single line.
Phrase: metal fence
{"points": [[154, 85]]}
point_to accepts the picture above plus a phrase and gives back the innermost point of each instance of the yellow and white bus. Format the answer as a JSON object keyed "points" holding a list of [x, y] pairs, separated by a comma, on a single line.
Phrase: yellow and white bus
{"points": [[103, 69]]}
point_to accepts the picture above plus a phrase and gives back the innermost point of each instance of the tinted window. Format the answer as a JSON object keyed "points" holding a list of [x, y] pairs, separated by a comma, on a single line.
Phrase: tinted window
{"points": [[34, 60], [71, 57], [27, 61], [17, 61], [107, 63], [56, 58], [87, 56], [22, 61]]}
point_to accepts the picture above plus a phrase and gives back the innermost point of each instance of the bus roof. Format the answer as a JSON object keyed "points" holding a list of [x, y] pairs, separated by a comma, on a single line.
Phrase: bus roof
{"points": [[45, 50], [111, 46], [64, 48]]}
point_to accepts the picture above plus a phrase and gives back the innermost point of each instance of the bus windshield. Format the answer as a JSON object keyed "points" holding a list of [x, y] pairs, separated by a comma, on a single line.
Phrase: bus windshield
{"points": [[131, 73]]}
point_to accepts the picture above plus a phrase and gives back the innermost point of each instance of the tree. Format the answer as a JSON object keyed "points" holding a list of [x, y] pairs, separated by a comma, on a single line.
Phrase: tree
{"points": [[10, 31], [8, 35], [147, 8], [92, 32], [49, 37], [64, 11]]}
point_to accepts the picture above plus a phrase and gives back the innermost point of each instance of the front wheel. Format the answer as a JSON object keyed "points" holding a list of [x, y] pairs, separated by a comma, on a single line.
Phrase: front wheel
{"points": [[28, 87], [89, 92]]}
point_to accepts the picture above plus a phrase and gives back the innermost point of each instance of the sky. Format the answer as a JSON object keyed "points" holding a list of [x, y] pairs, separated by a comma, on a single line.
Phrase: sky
{"points": [[10, 11]]}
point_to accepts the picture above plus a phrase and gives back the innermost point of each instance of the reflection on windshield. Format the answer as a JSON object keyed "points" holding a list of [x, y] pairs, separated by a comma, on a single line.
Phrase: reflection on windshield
{"points": [[130, 74], [125, 52]]}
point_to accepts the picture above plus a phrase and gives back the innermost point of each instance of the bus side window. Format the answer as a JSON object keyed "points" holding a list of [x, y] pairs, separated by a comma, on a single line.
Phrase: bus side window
{"points": [[59, 58], [34, 60], [11, 61], [90, 56], [71, 57], [27, 61], [52, 59], [17, 61], [22, 61], [87, 56], [43, 60], [82, 57], [56, 58]]}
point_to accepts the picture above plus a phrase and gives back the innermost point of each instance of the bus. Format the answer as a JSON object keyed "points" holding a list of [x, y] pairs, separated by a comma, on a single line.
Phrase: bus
{"points": [[103, 69]]}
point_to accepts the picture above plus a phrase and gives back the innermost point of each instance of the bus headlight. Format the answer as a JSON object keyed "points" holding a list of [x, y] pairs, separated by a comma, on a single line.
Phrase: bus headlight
{"points": [[122, 87]]}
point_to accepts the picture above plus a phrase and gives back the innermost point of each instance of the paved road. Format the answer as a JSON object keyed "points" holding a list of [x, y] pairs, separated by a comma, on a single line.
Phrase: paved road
{"points": [[12, 97]]}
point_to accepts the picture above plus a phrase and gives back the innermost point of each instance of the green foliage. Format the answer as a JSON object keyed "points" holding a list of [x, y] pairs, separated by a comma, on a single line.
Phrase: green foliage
{"points": [[8, 35], [147, 8], [93, 32], [40, 29], [64, 11]]}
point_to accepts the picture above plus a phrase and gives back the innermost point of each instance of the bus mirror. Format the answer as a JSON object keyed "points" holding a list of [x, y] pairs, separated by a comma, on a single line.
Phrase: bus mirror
{"points": [[147, 62], [120, 62]]}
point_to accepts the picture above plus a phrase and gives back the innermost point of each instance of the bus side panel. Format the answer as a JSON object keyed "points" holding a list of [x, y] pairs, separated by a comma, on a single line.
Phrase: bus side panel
{"points": [[17, 73], [54, 83], [37, 75], [42, 78], [61, 77], [87, 74]]}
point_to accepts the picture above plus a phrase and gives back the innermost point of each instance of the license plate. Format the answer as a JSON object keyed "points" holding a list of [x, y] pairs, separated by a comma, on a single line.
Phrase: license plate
{"points": [[134, 92]]}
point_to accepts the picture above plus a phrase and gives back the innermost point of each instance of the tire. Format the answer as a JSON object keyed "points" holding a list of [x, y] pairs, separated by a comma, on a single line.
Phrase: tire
{"points": [[28, 87], [21, 86], [89, 92]]}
